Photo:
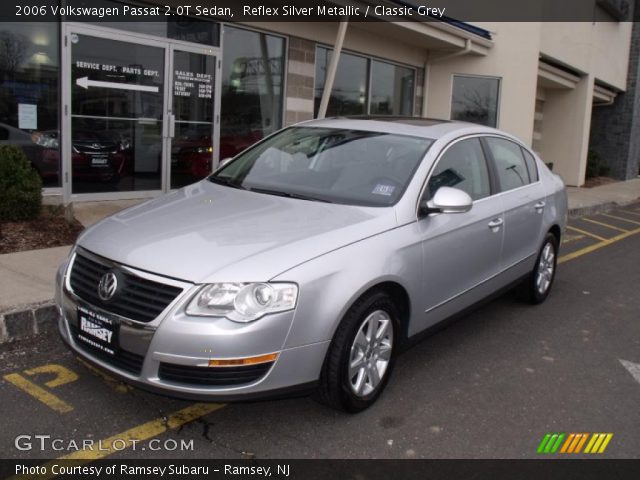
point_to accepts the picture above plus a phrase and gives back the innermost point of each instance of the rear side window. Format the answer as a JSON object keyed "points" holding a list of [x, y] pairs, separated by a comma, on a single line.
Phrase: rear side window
{"points": [[462, 166], [531, 165], [510, 164]]}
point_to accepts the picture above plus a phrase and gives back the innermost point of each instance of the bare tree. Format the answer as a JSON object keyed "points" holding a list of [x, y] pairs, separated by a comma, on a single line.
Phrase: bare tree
{"points": [[13, 49]]}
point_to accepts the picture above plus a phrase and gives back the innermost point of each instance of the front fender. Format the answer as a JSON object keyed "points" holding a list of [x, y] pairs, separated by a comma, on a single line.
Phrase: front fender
{"points": [[331, 283]]}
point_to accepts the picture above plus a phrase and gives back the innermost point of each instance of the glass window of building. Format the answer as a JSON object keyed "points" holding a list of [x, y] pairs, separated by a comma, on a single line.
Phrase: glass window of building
{"points": [[391, 89], [391, 93], [29, 71], [252, 88], [475, 99], [349, 92]]}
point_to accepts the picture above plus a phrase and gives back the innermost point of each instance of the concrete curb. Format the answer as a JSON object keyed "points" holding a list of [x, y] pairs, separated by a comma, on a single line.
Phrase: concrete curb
{"points": [[598, 208], [593, 209], [24, 321]]}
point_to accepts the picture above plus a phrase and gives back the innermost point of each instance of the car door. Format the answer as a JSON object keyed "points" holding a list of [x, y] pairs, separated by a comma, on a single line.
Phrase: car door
{"points": [[461, 251], [523, 198]]}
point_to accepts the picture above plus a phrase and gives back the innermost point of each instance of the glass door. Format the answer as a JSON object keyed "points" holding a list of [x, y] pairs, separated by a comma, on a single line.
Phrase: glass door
{"points": [[194, 114], [141, 114], [115, 130]]}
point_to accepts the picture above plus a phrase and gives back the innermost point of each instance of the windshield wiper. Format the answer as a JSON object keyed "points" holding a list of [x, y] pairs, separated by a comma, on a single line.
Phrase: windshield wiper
{"points": [[279, 193], [226, 182]]}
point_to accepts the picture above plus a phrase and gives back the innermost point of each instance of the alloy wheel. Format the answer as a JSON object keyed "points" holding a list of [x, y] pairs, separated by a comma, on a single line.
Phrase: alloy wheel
{"points": [[370, 353]]}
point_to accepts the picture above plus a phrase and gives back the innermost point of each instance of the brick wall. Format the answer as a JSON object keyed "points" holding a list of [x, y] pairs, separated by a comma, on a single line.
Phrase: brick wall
{"points": [[300, 75], [615, 129], [536, 143]]}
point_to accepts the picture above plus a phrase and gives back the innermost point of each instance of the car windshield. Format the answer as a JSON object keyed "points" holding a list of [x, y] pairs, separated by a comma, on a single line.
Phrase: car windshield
{"points": [[328, 164]]}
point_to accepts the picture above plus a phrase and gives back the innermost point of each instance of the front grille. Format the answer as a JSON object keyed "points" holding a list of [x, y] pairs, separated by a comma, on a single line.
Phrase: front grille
{"points": [[124, 360], [137, 298], [214, 376], [91, 150]]}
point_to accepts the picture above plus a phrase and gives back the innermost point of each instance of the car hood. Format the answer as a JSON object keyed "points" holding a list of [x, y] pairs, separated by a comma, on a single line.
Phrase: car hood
{"points": [[211, 233]]}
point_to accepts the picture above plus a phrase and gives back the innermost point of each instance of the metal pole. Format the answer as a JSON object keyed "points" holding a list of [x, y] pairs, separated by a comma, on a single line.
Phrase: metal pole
{"points": [[333, 66]]}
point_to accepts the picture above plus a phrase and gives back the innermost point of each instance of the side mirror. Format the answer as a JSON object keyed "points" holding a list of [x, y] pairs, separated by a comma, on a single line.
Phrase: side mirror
{"points": [[223, 162], [447, 200]]}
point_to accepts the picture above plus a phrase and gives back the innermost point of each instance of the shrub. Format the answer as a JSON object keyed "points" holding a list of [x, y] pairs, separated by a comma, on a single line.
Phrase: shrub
{"points": [[595, 166], [20, 186]]}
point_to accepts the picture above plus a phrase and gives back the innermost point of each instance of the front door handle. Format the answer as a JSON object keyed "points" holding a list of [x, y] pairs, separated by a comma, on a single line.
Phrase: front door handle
{"points": [[495, 224], [539, 206]]}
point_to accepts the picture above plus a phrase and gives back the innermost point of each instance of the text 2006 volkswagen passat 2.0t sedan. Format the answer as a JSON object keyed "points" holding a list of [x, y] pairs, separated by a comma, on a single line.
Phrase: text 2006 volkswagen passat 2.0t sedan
{"points": [[309, 260]]}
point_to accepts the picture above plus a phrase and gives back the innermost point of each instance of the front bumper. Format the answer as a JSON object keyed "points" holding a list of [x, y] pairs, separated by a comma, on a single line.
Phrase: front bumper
{"points": [[170, 354]]}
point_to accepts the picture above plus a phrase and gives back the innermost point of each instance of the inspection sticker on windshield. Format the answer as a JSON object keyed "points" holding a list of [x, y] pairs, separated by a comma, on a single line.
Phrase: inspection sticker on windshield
{"points": [[381, 189]]}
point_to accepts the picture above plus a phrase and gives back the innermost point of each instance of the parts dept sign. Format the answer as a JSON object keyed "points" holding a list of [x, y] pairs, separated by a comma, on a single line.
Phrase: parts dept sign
{"points": [[89, 74]]}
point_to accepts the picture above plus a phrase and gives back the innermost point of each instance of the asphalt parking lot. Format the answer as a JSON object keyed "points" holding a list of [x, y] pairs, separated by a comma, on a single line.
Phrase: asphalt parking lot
{"points": [[490, 385]]}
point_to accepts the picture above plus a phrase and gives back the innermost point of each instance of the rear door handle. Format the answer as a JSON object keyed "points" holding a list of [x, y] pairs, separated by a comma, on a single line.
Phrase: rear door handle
{"points": [[495, 224], [539, 206]]}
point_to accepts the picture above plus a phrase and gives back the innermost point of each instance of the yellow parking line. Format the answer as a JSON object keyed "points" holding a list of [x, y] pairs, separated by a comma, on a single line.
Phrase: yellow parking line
{"points": [[593, 235], [145, 431], [49, 399], [571, 238], [117, 385], [126, 439], [596, 246], [605, 225], [630, 212], [62, 375], [621, 218]]}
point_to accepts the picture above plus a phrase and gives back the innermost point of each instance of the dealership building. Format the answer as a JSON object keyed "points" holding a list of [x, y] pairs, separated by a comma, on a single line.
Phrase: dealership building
{"points": [[134, 109]]}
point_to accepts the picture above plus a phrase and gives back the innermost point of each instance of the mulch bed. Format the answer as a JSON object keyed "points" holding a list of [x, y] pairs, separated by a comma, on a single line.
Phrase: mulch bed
{"points": [[597, 181], [50, 229]]}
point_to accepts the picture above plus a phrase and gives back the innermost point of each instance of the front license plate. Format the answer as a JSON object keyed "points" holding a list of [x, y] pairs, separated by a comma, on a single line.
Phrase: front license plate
{"points": [[98, 330], [99, 160]]}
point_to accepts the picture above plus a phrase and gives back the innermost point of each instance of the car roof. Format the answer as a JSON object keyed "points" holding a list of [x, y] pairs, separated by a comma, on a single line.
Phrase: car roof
{"points": [[432, 128]]}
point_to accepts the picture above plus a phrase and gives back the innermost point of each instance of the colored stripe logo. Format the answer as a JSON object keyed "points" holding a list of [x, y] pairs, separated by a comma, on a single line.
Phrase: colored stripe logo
{"points": [[574, 443]]}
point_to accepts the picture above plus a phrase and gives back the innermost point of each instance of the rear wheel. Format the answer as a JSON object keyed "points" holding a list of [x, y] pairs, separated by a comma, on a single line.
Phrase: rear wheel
{"points": [[536, 287], [361, 356]]}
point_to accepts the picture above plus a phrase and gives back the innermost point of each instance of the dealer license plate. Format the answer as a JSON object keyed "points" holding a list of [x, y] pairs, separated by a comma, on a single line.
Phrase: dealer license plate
{"points": [[98, 330], [99, 160]]}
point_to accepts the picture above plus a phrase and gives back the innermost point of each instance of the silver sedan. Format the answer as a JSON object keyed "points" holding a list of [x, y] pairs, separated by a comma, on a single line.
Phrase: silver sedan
{"points": [[311, 259]]}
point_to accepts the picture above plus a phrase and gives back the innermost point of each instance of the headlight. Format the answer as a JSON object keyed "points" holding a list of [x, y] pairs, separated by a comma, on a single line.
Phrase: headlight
{"points": [[243, 302]]}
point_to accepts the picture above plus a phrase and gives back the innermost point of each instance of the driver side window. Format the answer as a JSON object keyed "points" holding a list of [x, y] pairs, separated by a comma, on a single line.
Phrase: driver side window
{"points": [[462, 166]]}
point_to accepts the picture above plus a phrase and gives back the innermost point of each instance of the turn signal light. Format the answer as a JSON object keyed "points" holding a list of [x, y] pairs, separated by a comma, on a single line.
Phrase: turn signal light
{"points": [[235, 362]]}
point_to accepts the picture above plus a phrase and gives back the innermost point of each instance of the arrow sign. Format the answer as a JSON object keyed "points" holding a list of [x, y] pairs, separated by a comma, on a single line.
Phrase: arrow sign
{"points": [[84, 82], [633, 368]]}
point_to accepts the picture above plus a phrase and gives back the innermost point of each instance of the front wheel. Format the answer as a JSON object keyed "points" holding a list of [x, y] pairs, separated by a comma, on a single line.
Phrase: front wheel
{"points": [[536, 287], [361, 356]]}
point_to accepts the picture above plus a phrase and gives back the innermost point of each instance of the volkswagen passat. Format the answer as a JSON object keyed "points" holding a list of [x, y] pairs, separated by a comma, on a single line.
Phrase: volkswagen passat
{"points": [[311, 258]]}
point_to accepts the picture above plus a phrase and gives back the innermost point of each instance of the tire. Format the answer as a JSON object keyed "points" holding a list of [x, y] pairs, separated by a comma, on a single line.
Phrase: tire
{"points": [[357, 389], [536, 287]]}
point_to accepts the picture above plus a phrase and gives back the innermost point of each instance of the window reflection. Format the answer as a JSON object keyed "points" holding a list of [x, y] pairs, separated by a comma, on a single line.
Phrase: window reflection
{"points": [[392, 86], [193, 102], [117, 91], [252, 83], [475, 99], [391, 89], [29, 71], [349, 92]]}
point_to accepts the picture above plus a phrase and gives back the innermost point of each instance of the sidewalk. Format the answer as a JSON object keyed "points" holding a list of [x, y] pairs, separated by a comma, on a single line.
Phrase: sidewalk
{"points": [[583, 201], [27, 278]]}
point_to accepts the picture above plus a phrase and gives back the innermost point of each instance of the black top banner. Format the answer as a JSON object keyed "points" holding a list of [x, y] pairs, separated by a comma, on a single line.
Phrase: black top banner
{"points": [[321, 10]]}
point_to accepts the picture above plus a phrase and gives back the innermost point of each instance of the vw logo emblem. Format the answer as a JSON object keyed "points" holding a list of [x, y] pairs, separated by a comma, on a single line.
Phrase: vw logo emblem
{"points": [[107, 286]]}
